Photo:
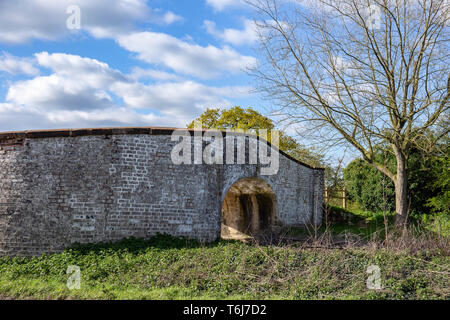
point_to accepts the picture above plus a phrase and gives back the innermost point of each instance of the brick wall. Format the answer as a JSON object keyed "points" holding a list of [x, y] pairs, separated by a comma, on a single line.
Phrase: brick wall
{"points": [[59, 188]]}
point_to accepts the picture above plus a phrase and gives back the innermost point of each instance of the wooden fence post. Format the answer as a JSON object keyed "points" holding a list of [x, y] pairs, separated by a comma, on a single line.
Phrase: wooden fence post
{"points": [[344, 199]]}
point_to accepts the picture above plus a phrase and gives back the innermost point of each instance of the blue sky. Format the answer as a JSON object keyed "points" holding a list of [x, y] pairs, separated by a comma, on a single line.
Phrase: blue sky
{"points": [[127, 63]]}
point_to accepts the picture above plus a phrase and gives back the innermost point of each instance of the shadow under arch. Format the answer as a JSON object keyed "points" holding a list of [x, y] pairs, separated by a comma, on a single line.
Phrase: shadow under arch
{"points": [[248, 209]]}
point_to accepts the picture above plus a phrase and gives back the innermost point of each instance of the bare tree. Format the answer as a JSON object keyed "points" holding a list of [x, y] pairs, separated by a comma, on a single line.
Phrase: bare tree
{"points": [[359, 72]]}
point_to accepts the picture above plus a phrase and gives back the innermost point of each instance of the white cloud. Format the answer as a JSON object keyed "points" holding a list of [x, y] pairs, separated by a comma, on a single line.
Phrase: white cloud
{"points": [[103, 19], [13, 118], [72, 91], [220, 5], [21, 21], [191, 59], [109, 117], [248, 35], [186, 98], [87, 70], [81, 92], [77, 83], [170, 17], [57, 92], [157, 16], [139, 73], [16, 65]]}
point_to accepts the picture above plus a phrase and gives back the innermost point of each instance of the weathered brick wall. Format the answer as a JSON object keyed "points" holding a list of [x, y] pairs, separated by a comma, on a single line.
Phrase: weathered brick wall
{"points": [[60, 188]]}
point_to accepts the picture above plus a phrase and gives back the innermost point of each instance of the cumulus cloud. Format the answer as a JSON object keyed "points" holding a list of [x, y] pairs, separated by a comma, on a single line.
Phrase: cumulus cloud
{"points": [[13, 118], [186, 98], [16, 65], [87, 70], [220, 5], [57, 92], [77, 83], [139, 73], [21, 20], [183, 57], [81, 92], [245, 36], [169, 17], [72, 91], [117, 116]]}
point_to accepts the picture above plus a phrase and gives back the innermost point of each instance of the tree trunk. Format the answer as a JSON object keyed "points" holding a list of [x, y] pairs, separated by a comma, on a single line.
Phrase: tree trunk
{"points": [[401, 190]]}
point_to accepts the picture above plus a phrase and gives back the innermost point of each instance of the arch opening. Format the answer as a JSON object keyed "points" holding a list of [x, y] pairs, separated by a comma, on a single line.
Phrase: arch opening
{"points": [[248, 209]]}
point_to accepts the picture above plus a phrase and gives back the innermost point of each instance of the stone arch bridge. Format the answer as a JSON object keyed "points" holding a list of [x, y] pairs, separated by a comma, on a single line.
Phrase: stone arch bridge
{"points": [[59, 187]]}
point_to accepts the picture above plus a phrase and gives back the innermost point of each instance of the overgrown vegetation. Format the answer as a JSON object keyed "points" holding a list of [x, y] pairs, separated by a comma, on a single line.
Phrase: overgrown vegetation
{"points": [[169, 268], [428, 177], [375, 225]]}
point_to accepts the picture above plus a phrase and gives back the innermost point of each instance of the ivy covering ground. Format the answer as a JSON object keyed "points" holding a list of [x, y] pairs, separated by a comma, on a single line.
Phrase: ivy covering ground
{"points": [[169, 268]]}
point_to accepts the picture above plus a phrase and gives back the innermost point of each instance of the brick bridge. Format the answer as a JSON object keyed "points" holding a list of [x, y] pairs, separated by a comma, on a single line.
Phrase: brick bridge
{"points": [[58, 187]]}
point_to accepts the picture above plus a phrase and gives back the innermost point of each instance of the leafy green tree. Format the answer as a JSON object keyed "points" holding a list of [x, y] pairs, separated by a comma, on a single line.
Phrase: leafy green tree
{"points": [[440, 202], [428, 176], [251, 120], [369, 187]]}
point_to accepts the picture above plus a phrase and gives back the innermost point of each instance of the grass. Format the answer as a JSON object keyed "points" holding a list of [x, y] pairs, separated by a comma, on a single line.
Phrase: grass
{"points": [[164, 267], [354, 220], [370, 225]]}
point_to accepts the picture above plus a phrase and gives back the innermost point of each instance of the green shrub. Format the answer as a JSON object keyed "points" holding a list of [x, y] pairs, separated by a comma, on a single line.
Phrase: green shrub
{"points": [[428, 183]]}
